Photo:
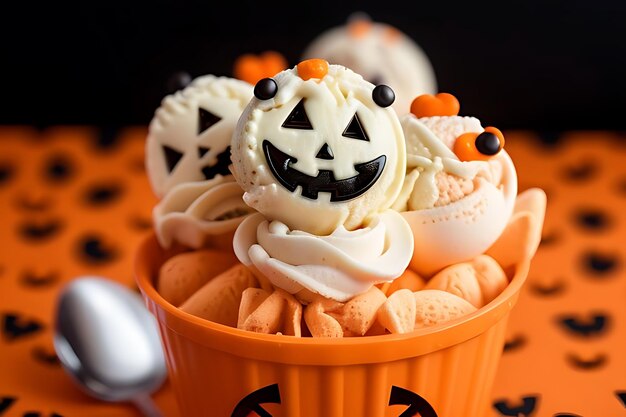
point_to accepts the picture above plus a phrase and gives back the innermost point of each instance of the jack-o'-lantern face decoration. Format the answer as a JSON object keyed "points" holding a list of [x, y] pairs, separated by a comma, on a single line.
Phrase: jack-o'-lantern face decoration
{"points": [[319, 148], [190, 134], [258, 401]]}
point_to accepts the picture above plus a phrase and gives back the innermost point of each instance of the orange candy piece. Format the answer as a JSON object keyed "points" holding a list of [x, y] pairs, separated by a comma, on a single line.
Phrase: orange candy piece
{"points": [[442, 104], [252, 68], [313, 68], [359, 28], [465, 145]]}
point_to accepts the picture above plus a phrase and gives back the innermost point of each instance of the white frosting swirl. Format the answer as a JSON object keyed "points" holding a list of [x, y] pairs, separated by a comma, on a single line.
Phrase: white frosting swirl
{"points": [[193, 213], [337, 266]]}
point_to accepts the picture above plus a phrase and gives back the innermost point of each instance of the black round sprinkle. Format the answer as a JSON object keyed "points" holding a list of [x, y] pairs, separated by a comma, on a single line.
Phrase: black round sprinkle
{"points": [[265, 89], [59, 168], [383, 95], [487, 143]]}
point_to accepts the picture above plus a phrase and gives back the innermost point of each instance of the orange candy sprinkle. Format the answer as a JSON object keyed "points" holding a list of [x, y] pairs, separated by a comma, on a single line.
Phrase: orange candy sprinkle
{"points": [[359, 28], [312, 68], [442, 104], [465, 145], [391, 35], [252, 68], [465, 148]]}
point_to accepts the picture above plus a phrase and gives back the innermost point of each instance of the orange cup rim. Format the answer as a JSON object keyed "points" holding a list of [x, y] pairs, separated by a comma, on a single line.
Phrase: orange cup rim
{"points": [[316, 351]]}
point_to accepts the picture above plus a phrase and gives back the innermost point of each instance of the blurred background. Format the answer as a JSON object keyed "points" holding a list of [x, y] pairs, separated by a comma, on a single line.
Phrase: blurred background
{"points": [[548, 66]]}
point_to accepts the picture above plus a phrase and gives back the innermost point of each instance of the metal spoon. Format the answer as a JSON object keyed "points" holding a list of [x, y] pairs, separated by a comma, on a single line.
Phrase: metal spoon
{"points": [[109, 343]]}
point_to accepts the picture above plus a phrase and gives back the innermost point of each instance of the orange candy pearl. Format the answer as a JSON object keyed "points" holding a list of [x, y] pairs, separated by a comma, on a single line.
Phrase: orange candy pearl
{"points": [[312, 68], [442, 104], [252, 68], [465, 145]]}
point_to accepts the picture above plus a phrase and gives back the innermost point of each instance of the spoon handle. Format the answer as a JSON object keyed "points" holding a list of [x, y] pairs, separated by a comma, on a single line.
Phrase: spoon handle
{"points": [[146, 405]]}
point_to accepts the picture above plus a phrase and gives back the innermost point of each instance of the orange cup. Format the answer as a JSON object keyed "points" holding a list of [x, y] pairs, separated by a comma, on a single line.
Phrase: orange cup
{"points": [[219, 371]]}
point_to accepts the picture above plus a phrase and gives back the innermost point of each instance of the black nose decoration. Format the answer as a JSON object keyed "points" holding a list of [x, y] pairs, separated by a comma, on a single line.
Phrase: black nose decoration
{"points": [[325, 153]]}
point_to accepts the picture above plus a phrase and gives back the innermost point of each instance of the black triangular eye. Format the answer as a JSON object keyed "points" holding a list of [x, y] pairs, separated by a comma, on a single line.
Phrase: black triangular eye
{"points": [[172, 156], [298, 119], [202, 151], [355, 130], [206, 119]]}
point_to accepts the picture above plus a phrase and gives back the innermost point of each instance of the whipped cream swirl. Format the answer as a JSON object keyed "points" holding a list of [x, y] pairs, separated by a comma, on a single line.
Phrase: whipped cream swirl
{"points": [[192, 213], [337, 266]]}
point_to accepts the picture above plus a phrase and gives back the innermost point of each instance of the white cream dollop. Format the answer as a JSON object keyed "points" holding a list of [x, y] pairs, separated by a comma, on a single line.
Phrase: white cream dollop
{"points": [[337, 266], [464, 228], [192, 213]]}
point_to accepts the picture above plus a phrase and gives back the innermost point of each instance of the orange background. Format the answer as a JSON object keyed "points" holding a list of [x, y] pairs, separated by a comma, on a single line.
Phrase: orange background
{"points": [[76, 201]]}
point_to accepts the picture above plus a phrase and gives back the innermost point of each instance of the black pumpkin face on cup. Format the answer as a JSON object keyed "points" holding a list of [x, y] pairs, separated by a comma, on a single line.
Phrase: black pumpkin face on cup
{"points": [[256, 402], [319, 141]]}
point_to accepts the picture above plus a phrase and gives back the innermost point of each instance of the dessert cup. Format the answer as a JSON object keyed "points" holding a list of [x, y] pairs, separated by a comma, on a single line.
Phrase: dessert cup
{"points": [[445, 370]]}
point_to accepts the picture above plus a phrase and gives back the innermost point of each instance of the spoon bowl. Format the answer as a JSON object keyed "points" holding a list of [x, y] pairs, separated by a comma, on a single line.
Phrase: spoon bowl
{"points": [[109, 343]]}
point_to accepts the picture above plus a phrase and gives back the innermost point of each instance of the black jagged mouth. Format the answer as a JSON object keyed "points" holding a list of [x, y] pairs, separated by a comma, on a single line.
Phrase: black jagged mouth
{"points": [[340, 190], [220, 167]]}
